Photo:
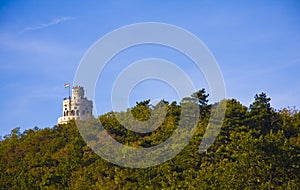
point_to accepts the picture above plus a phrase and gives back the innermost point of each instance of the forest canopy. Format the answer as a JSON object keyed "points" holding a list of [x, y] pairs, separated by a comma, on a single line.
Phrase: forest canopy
{"points": [[258, 147]]}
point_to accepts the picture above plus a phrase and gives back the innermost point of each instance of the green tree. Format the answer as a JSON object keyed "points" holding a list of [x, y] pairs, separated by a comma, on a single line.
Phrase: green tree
{"points": [[261, 116]]}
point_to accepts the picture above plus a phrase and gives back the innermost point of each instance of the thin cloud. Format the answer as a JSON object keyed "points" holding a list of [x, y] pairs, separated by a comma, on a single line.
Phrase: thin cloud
{"points": [[45, 25], [37, 46]]}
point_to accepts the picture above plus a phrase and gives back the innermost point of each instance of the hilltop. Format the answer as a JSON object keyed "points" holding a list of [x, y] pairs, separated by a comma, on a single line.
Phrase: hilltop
{"points": [[258, 147]]}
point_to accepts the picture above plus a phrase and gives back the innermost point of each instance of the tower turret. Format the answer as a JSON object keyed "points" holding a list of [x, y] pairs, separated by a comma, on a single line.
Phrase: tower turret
{"points": [[77, 92]]}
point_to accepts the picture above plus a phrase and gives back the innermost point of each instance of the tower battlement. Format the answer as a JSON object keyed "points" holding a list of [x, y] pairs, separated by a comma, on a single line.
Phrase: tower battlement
{"points": [[76, 107]]}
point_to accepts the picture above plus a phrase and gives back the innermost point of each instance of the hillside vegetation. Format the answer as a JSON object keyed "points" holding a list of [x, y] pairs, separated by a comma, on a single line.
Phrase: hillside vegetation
{"points": [[258, 148]]}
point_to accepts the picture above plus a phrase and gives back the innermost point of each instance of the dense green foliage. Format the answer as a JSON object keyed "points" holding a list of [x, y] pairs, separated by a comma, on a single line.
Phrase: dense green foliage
{"points": [[257, 148]]}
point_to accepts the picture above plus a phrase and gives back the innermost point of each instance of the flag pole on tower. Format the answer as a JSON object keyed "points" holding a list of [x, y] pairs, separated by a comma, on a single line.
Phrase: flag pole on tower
{"points": [[68, 86]]}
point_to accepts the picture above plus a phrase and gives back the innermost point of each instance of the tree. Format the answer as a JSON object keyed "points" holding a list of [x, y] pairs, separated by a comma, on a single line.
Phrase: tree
{"points": [[202, 98], [261, 116]]}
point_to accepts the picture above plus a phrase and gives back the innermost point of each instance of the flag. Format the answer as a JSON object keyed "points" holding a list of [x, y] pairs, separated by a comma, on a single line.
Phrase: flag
{"points": [[67, 85]]}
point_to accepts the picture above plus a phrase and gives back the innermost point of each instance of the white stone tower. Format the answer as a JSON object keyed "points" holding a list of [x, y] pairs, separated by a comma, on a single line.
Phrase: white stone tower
{"points": [[76, 107]]}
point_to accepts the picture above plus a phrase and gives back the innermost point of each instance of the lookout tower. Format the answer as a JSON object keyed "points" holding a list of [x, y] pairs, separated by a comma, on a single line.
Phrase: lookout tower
{"points": [[76, 107]]}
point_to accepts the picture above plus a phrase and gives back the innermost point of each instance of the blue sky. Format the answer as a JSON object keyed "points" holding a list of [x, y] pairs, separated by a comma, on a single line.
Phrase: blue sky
{"points": [[256, 44]]}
